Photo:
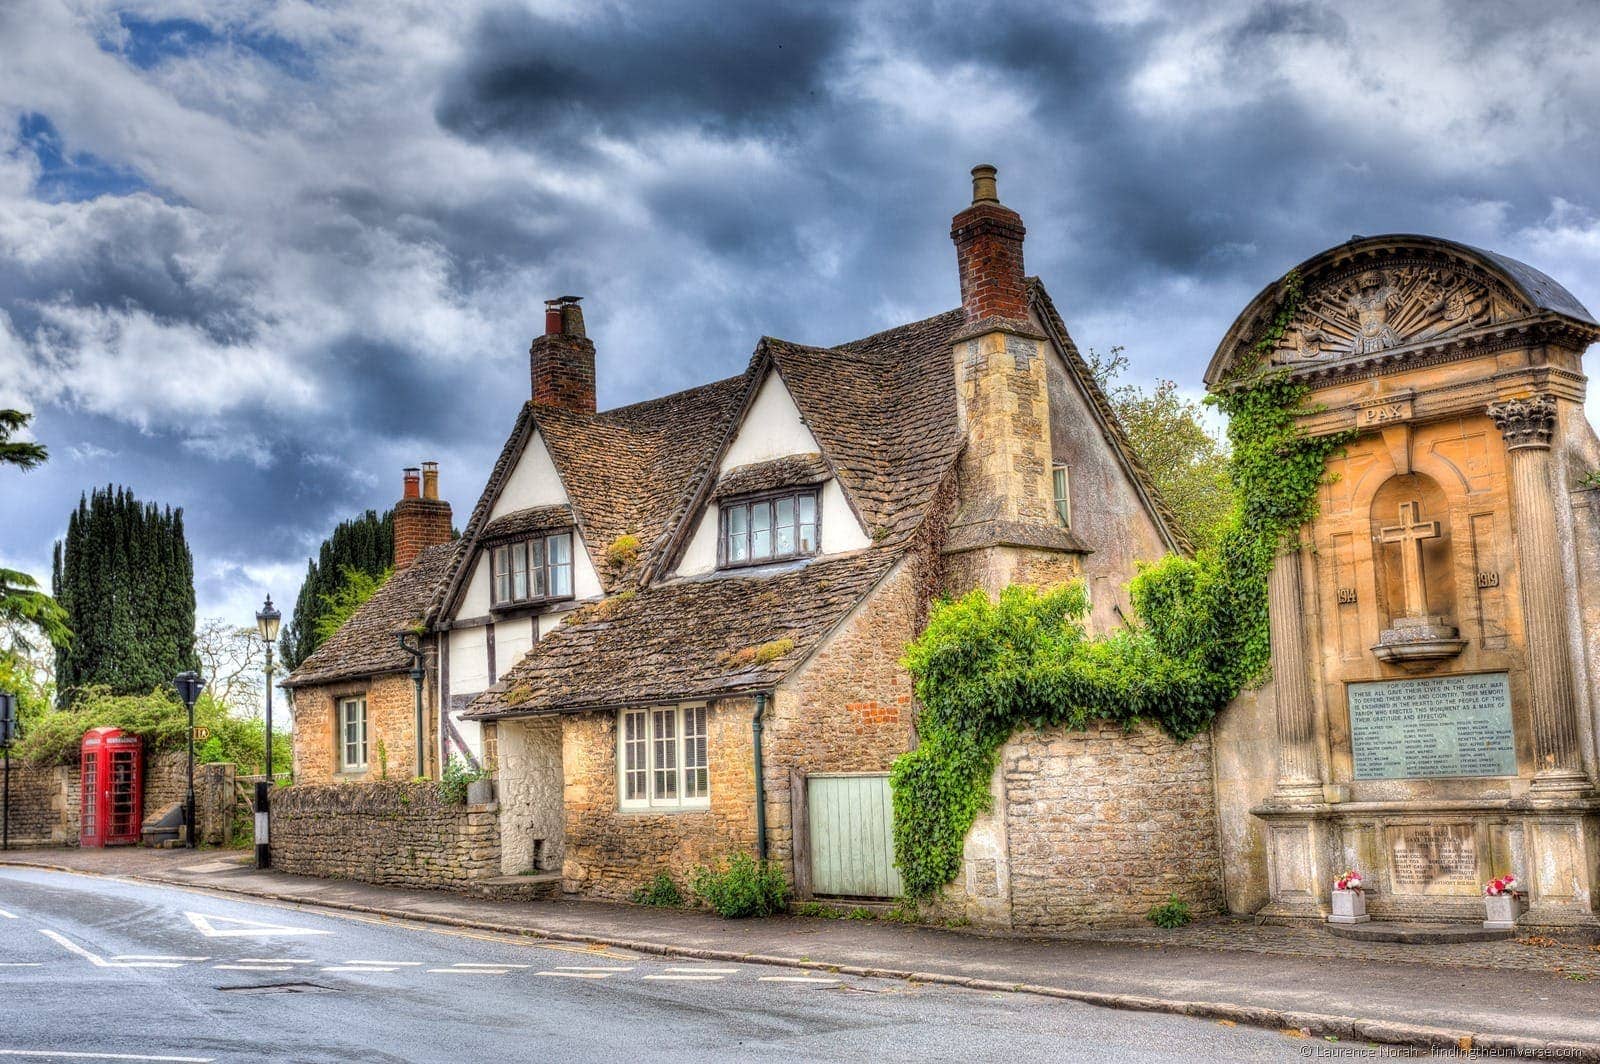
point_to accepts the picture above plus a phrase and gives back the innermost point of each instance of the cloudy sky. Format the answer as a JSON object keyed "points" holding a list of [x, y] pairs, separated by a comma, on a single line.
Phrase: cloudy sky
{"points": [[255, 257]]}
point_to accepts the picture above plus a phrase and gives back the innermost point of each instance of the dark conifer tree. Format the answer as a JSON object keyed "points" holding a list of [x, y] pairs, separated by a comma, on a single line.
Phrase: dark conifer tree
{"points": [[365, 544], [125, 576]]}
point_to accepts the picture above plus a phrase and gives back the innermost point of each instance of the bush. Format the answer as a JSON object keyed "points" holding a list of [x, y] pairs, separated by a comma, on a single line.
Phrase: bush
{"points": [[660, 892], [453, 781], [1170, 913], [742, 887]]}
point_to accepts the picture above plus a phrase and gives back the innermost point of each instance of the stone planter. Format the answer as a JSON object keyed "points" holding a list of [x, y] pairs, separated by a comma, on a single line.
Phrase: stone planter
{"points": [[1503, 911], [1349, 907], [480, 792]]}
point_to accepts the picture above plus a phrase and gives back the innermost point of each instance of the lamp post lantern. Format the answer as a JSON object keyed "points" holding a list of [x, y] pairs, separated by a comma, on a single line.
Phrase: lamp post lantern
{"points": [[8, 735], [188, 686], [267, 621]]}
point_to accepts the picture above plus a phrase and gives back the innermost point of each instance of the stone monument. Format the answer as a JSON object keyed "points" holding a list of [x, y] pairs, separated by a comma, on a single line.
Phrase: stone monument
{"points": [[1433, 709]]}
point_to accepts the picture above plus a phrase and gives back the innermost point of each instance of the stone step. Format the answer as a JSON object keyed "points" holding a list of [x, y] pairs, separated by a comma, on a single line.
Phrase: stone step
{"points": [[1417, 933], [540, 885]]}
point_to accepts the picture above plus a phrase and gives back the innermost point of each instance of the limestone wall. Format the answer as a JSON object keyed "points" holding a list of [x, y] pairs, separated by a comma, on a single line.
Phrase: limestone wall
{"points": [[46, 803], [391, 720], [387, 832], [1098, 827], [528, 778], [1245, 747]]}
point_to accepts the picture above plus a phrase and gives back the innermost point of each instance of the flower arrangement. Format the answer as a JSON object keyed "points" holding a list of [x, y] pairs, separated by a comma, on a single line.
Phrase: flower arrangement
{"points": [[1502, 887], [1350, 880]]}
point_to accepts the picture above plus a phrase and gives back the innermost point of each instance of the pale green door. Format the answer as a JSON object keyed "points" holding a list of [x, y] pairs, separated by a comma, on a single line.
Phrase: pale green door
{"points": [[851, 821]]}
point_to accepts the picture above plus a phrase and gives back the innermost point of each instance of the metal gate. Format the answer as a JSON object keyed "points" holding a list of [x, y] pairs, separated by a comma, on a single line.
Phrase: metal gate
{"points": [[850, 817]]}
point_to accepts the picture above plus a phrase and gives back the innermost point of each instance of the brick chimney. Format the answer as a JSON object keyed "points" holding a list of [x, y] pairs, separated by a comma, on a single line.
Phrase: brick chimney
{"points": [[421, 518], [988, 237], [561, 361]]}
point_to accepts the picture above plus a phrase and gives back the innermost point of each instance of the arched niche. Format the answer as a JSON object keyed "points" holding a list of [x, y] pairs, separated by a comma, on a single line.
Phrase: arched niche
{"points": [[1412, 550]]}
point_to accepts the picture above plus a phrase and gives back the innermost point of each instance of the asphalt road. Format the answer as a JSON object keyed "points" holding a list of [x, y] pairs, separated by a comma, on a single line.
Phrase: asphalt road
{"points": [[100, 969]]}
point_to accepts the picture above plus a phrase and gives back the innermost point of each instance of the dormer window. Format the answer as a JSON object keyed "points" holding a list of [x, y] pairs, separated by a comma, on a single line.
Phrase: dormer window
{"points": [[537, 569], [769, 528]]}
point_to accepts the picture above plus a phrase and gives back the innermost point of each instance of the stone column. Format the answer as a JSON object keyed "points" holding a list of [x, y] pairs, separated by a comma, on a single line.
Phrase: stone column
{"points": [[1528, 425], [1299, 778]]}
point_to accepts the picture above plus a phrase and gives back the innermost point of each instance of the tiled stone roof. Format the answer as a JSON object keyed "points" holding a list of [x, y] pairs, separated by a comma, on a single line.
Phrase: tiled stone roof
{"points": [[700, 638], [525, 522], [366, 644], [792, 471]]}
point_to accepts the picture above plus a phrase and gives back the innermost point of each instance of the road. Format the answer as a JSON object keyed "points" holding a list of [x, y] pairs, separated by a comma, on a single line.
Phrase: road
{"points": [[93, 968]]}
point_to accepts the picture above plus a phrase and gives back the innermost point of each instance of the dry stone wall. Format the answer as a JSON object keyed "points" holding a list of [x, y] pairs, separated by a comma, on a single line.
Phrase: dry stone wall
{"points": [[47, 803], [387, 832]]}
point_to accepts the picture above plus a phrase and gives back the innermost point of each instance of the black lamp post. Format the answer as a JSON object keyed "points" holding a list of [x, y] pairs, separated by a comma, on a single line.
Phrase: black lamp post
{"points": [[188, 686], [8, 735], [267, 621]]}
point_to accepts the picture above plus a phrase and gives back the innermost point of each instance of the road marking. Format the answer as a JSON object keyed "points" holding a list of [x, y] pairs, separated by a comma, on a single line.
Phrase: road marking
{"points": [[590, 968], [793, 979], [273, 960], [469, 971], [207, 926], [251, 968], [686, 978], [8, 916], [72, 947], [391, 964], [22, 964], [473, 964], [62, 1054], [577, 975], [357, 968], [707, 971], [155, 957]]}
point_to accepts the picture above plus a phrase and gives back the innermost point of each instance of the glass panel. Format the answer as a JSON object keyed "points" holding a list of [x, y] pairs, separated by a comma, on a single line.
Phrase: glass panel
{"points": [[806, 508], [635, 772], [519, 572], [502, 574], [783, 527], [536, 567], [559, 549], [1063, 500], [696, 770], [738, 546], [664, 728], [760, 530]]}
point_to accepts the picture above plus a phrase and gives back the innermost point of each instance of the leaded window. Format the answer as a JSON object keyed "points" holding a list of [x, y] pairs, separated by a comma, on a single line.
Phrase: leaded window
{"points": [[769, 528], [532, 570]]}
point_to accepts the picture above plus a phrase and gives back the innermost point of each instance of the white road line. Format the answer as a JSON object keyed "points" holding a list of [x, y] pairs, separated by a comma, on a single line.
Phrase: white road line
{"points": [[590, 968], [391, 964], [577, 975], [687, 978], [6, 915], [21, 964], [146, 964], [65, 943], [357, 968], [155, 957], [250, 968], [237, 928], [62, 1054], [471, 964], [273, 960], [707, 971], [469, 971], [793, 979]]}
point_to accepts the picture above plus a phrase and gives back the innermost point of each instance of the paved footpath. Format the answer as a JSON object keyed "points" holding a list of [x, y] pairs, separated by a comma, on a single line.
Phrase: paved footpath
{"points": [[1550, 1009]]}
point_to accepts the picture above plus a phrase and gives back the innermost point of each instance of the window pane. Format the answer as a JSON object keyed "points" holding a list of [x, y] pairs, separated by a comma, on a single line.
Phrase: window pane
{"points": [[760, 530], [806, 509], [519, 571], [1063, 500], [738, 546], [536, 567], [696, 770], [783, 537], [559, 549], [502, 574], [664, 729], [635, 773]]}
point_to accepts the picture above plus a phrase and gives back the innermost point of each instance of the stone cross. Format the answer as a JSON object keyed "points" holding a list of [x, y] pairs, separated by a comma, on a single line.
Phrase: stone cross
{"points": [[1410, 534]]}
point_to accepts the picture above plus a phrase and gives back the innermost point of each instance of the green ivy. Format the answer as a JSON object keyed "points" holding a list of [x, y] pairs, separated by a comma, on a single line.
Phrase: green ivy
{"points": [[984, 668]]}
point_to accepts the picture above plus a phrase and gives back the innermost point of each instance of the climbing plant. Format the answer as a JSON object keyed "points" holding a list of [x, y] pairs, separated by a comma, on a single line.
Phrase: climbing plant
{"points": [[984, 668]]}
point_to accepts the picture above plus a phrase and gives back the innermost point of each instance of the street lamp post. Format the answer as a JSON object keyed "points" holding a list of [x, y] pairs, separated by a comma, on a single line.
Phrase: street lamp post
{"points": [[8, 734], [188, 686], [267, 621]]}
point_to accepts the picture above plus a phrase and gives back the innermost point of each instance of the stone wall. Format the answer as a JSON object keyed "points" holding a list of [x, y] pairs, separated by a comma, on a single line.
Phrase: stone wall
{"points": [[528, 778], [1098, 827], [610, 852], [392, 833], [47, 803], [391, 719]]}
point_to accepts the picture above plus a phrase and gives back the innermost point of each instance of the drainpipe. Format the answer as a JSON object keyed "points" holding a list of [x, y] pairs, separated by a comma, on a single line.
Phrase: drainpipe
{"points": [[417, 674], [761, 779]]}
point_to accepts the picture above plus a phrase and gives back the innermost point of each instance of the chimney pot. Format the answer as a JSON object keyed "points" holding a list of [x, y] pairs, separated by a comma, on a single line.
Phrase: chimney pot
{"points": [[421, 518], [552, 317], [984, 188], [413, 478], [430, 480]]}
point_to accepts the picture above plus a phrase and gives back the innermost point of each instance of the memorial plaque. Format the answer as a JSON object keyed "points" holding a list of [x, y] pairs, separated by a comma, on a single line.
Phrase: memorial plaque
{"points": [[1441, 726], [1434, 859]]}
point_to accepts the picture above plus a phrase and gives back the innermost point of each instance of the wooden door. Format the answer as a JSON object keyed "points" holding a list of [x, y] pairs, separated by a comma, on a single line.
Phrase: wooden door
{"points": [[851, 821]]}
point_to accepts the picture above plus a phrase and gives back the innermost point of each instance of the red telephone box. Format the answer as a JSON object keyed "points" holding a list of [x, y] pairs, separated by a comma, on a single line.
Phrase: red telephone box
{"points": [[113, 788]]}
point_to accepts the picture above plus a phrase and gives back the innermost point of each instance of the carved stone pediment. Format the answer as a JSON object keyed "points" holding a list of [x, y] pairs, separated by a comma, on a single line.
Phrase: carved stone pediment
{"points": [[1369, 309]]}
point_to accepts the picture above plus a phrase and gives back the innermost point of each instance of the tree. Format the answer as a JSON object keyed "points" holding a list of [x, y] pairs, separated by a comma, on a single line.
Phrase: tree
{"points": [[24, 608], [231, 663], [125, 576], [351, 596], [363, 544], [24, 454], [1187, 460]]}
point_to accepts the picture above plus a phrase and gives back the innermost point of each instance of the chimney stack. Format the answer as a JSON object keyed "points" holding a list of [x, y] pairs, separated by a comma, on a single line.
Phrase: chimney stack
{"points": [[561, 362], [988, 238], [421, 518]]}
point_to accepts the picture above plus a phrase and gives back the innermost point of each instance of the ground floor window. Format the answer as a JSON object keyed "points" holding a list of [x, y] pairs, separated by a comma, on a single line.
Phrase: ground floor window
{"points": [[353, 734], [662, 758]]}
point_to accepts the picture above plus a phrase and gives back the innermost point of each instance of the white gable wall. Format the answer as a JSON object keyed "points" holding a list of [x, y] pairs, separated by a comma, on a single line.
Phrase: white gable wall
{"points": [[773, 428], [534, 482]]}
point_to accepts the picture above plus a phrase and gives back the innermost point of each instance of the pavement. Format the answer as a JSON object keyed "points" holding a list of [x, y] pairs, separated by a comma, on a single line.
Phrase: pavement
{"points": [[1530, 999], [97, 968]]}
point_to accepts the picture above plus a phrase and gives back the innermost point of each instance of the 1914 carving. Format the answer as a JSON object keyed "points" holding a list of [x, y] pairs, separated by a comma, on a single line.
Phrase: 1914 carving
{"points": [[1377, 309]]}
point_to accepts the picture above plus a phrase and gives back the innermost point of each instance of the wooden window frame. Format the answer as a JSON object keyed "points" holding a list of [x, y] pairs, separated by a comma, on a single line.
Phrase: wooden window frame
{"points": [[1061, 493], [525, 545], [725, 505], [655, 800], [341, 743]]}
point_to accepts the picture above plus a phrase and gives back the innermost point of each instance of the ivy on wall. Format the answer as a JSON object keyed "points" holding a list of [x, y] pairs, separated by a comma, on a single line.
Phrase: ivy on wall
{"points": [[982, 669]]}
